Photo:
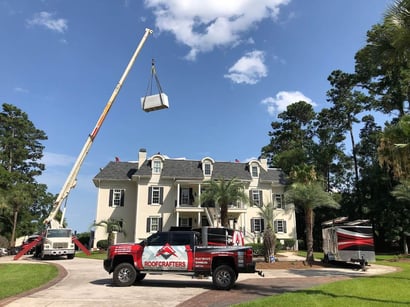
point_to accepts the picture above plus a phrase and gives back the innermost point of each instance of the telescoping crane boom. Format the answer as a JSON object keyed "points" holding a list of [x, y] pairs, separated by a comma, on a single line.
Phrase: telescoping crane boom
{"points": [[45, 243], [72, 177]]}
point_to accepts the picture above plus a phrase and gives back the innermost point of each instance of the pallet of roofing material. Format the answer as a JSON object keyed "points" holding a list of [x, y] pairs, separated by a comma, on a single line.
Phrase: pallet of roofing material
{"points": [[157, 101], [348, 241]]}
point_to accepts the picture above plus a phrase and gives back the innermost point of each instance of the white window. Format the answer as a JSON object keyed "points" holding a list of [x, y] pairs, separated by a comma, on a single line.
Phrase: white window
{"points": [[156, 166], [280, 226], [256, 197], [155, 195], [154, 224], [254, 171], [207, 169], [279, 202], [257, 225], [116, 198]]}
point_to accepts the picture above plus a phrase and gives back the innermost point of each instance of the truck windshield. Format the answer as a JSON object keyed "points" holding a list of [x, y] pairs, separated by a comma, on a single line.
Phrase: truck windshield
{"points": [[58, 233]]}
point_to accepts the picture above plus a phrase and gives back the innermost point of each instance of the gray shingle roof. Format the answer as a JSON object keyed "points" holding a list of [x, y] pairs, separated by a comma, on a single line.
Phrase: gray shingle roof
{"points": [[184, 169]]}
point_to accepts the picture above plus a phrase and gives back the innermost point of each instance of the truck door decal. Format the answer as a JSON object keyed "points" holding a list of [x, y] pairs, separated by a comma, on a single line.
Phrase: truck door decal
{"points": [[165, 258]]}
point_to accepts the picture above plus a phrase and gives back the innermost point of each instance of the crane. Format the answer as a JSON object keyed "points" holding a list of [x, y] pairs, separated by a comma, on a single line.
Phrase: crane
{"points": [[54, 226]]}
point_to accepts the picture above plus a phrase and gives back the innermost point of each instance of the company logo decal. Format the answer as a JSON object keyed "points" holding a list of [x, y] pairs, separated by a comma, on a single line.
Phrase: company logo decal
{"points": [[166, 251]]}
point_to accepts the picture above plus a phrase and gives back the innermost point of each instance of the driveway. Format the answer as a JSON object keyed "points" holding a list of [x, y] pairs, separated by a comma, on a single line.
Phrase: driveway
{"points": [[85, 283]]}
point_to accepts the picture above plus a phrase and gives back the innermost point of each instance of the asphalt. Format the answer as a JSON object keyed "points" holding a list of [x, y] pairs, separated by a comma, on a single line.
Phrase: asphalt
{"points": [[83, 282]]}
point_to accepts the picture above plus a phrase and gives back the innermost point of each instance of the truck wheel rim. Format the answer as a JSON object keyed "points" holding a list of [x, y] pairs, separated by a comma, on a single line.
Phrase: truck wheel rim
{"points": [[124, 275], [224, 278]]}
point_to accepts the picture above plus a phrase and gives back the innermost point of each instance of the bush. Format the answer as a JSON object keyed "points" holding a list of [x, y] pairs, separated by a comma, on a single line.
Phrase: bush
{"points": [[4, 242], [102, 244], [258, 249], [290, 243]]}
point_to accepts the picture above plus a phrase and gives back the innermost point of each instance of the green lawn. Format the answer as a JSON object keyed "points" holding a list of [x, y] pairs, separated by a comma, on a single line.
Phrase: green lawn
{"points": [[17, 278], [94, 255], [382, 290]]}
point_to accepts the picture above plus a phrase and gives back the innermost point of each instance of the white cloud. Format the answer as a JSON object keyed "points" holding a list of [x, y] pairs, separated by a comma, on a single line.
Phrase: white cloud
{"points": [[45, 19], [51, 159], [282, 99], [20, 90], [248, 69], [203, 25]]}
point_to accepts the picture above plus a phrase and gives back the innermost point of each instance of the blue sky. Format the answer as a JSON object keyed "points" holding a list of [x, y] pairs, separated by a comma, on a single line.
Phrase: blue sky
{"points": [[228, 68]]}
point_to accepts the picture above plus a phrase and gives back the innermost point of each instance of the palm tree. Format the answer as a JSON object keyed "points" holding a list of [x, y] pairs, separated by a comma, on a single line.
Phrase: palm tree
{"points": [[224, 193], [111, 226], [402, 191], [269, 238], [394, 149], [308, 193]]}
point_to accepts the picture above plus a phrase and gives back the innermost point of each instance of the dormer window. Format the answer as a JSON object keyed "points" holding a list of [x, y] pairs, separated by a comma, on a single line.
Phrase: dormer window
{"points": [[255, 171], [207, 166], [156, 166], [207, 169]]}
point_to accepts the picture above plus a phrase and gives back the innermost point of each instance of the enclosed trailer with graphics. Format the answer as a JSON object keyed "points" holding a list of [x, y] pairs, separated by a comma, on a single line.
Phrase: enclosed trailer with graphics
{"points": [[348, 241]]}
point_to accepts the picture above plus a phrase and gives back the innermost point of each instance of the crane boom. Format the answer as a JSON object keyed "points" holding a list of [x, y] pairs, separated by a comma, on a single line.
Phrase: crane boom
{"points": [[72, 177]]}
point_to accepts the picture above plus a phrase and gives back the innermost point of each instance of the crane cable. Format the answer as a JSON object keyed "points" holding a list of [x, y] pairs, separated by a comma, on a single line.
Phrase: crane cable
{"points": [[150, 82]]}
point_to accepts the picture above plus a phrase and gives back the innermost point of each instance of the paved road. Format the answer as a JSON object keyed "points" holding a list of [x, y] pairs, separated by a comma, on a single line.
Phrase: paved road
{"points": [[87, 284]]}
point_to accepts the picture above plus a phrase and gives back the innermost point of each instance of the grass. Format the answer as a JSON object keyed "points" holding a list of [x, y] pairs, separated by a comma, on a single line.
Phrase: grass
{"points": [[17, 278], [382, 290], [99, 255]]}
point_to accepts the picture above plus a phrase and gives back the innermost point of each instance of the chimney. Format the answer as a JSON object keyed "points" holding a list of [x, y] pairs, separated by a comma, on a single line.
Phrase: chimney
{"points": [[264, 163], [142, 156]]}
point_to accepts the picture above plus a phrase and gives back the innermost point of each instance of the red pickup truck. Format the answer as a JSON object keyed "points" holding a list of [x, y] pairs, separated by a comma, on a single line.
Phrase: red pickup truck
{"points": [[178, 252]]}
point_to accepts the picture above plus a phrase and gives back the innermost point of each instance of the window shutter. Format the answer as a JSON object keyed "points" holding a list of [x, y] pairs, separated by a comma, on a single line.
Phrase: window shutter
{"points": [[262, 225], [150, 195], [161, 195], [122, 198], [284, 227], [260, 199], [252, 225], [160, 224], [251, 199], [275, 226], [148, 224], [110, 198], [190, 222]]}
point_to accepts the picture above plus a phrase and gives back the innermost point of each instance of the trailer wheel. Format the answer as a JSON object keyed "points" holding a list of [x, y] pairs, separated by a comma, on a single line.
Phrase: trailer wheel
{"points": [[223, 277], [124, 275]]}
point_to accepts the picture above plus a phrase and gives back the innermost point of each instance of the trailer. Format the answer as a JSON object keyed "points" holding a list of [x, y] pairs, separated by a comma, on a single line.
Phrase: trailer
{"points": [[348, 242]]}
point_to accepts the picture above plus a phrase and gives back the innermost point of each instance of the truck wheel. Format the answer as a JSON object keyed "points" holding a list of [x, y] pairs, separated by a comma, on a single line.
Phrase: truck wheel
{"points": [[223, 277], [124, 275], [140, 276], [70, 256]]}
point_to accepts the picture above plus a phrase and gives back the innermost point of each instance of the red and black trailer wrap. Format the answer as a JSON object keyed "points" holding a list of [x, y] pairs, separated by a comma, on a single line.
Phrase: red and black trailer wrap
{"points": [[348, 241]]}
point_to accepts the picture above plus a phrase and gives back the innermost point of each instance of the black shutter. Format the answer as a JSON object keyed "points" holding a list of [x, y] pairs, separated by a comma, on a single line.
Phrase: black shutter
{"points": [[275, 226], [250, 198], [262, 225], [284, 227], [150, 195], [161, 195], [190, 222], [160, 224], [260, 198], [148, 224], [110, 199], [122, 198], [252, 225]]}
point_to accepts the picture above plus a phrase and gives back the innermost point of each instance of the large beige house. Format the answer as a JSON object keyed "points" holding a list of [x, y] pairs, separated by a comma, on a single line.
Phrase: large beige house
{"points": [[156, 193]]}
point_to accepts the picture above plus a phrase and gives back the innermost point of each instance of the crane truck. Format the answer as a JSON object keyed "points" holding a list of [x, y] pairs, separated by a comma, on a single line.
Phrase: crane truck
{"points": [[56, 239]]}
